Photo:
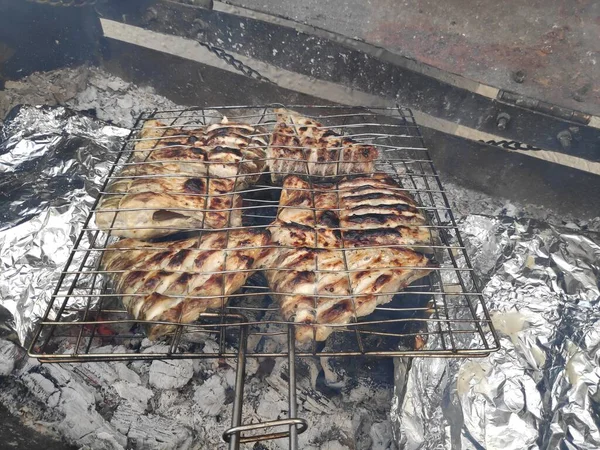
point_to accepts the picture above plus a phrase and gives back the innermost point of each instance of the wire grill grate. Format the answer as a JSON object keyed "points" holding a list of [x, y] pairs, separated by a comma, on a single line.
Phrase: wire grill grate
{"points": [[445, 310]]}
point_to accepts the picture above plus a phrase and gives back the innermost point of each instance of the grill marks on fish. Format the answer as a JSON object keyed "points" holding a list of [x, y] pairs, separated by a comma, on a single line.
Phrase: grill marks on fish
{"points": [[321, 272], [159, 284], [334, 252], [302, 146], [376, 202], [183, 179], [148, 208]]}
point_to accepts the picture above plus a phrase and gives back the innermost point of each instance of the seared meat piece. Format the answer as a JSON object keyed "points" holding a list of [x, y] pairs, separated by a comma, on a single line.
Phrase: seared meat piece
{"points": [[165, 281], [295, 278], [302, 202], [219, 150], [319, 287], [303, 146], [381, 237], [321, 272], [296, 235], [374, 202], [163, 204], [382, 272], [182, 179], [365, 211]]}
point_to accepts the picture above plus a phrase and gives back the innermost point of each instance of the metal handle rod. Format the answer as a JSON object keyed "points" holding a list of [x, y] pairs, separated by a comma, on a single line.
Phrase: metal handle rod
{"points": [[293, 405], [301, 424], [240, 375]]}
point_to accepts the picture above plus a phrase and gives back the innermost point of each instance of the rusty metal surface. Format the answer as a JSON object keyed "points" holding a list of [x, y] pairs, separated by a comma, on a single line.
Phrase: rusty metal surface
{"points": [[547, 49], [261, 39]]}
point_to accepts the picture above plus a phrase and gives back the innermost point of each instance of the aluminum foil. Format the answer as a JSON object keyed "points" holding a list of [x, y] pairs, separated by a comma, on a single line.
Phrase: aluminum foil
{"points": [[52, 164], [541, 285]]}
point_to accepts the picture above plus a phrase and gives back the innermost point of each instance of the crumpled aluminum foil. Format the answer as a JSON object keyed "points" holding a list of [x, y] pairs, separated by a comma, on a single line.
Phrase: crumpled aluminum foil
{"points": [[541, 285], [540, 391], [52, 164]]}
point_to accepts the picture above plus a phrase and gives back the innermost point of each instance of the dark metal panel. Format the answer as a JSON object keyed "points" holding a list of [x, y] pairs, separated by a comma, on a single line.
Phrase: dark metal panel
{"points": [[36, 37], [544, 49], [514, 176], [190, 83]]}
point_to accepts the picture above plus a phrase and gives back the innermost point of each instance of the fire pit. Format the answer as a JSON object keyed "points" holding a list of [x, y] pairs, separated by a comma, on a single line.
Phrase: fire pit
{"points": [[181, 392]]}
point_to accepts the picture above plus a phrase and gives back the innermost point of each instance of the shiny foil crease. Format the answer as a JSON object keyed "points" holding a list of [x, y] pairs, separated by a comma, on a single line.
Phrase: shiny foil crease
{"points": [[540, 391], [53, 162]]}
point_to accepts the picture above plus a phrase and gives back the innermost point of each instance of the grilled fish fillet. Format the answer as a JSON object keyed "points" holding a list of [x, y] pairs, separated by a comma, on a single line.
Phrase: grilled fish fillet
{"points": [[162, 281], [364, 211], [164, 203], [221, 150], [308, 204], [323, 273], [300, 145], [182, 179], [376, 202], [319, 286]]}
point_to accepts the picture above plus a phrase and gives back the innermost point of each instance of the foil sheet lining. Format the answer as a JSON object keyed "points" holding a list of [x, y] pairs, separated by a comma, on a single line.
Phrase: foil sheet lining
{"points": [[540, 391], [541, 285], [52, 164]]}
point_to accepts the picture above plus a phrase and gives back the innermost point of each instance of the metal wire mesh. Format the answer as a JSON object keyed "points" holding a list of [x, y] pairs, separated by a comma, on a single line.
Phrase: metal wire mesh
{"points": [[434, 316]]}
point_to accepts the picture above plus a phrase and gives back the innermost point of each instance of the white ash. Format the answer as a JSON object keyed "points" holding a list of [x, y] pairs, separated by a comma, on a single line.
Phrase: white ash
{"points": [[8, 355], [170, 374], [184, 404], [84, 88]]}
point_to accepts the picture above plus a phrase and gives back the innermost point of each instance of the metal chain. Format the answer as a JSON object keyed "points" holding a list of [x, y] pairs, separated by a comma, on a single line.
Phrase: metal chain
{"points": [[66, 3], [229, 59], [219, 52]]}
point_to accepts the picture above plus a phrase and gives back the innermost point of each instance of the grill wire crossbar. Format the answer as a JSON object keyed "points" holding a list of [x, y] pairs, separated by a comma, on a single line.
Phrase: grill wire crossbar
{"points": [[442, 314]]}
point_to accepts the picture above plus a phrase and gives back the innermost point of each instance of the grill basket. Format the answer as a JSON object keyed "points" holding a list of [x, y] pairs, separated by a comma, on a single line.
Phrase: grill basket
{"points": [[432, 317]]}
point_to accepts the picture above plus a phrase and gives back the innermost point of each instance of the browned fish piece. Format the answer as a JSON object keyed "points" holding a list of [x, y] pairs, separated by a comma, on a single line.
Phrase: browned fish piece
{"points": [[323, 273], [182, 179], [302, 146], [177, 281], [163, 204], [375, 202], [304, 203], [380, 237], [224, 150], [317, 287], [306, 295], [296, 235]]}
